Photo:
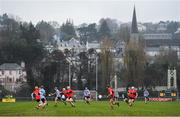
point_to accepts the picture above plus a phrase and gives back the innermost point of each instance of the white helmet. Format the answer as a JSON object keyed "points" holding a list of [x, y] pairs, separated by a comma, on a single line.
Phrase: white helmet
{"points": [[64, 89], [68, 87]]}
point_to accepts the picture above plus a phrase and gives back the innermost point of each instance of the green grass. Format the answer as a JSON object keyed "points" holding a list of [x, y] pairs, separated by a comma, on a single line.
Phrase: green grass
{"points": [[96, 109]]}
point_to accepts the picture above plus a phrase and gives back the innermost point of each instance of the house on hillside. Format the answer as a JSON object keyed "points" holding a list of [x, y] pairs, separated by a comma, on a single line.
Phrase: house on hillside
{"points": [[71, 44], [162, 26], [12, 76]]}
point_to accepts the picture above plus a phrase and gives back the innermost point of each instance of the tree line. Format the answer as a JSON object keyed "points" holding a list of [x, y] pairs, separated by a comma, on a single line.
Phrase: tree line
{"points": [[24, 41]]}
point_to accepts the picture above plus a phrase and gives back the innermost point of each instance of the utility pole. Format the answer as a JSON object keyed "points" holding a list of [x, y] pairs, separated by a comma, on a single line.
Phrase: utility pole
{"points": [[70, 62], [115, 84], [69, 75], [96, 78]]}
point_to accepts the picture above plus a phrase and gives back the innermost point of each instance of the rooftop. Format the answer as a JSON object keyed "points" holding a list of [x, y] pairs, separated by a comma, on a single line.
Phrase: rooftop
{"points": [[10, 66]]}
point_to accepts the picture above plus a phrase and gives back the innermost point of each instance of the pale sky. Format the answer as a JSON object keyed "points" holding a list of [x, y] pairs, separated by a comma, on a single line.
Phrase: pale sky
{"points": [[90, 11]]}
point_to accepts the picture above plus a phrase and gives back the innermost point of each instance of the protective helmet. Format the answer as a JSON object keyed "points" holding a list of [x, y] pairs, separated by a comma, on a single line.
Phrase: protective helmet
{"points": [[68, 87], [55, 88]]}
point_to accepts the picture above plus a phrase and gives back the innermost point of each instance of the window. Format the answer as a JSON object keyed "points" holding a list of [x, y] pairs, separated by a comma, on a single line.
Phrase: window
{"points": [[9, 80], [1, 80], [10, 72], [2, 72], [172, 81], [20, 72], [17, 80]]}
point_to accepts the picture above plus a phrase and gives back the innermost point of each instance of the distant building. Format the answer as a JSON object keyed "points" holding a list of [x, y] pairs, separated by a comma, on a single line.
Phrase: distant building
{"points": [[154, 51], [120, 49], [93, 45], [177, 34], [50, 48], [160, 39], [178, 31], [157, 41], [162, 26], [154, 43], [12, 76], [141, 27], [71, 44]]}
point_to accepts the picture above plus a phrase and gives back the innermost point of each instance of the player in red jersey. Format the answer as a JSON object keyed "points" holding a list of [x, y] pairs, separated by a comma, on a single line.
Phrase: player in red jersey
{"points": [[132, 95], [37, 96], [112, 98], [69, 93]]}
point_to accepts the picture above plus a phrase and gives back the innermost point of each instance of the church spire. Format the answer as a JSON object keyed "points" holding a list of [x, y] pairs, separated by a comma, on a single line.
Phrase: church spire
{"points": [[134, 28]]}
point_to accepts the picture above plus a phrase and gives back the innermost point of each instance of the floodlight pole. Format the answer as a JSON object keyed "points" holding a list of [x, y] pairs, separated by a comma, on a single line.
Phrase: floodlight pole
{"points": [[96, 78], [69, 71], [115, 84], [69, 75]]}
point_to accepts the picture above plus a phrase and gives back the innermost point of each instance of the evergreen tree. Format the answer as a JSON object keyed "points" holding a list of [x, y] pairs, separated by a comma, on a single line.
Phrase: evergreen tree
{"points": [[19, 43], [46, 32], [88, 33], [67, 30], [104, 31]]}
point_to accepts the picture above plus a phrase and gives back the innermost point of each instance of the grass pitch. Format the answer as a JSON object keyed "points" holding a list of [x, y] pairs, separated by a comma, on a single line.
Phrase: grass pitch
{"points": [[100, 108]]}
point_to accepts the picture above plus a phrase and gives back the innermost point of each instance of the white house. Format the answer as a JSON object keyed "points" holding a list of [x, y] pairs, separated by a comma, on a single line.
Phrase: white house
{"points": [[141, 27], [12, 76], [162, 26], [71, 44], [93, 45]]}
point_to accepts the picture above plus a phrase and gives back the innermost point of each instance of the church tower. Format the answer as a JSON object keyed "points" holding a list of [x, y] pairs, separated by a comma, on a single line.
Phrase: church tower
{"points": [[134, 28]]}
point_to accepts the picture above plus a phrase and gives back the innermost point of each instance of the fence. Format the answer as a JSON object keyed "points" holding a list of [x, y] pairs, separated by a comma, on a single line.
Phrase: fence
{"points": [[79, 96]]}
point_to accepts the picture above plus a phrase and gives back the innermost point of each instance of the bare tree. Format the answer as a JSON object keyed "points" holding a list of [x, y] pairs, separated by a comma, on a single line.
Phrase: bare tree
{"points": [[134, 61], [106, 63]]}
